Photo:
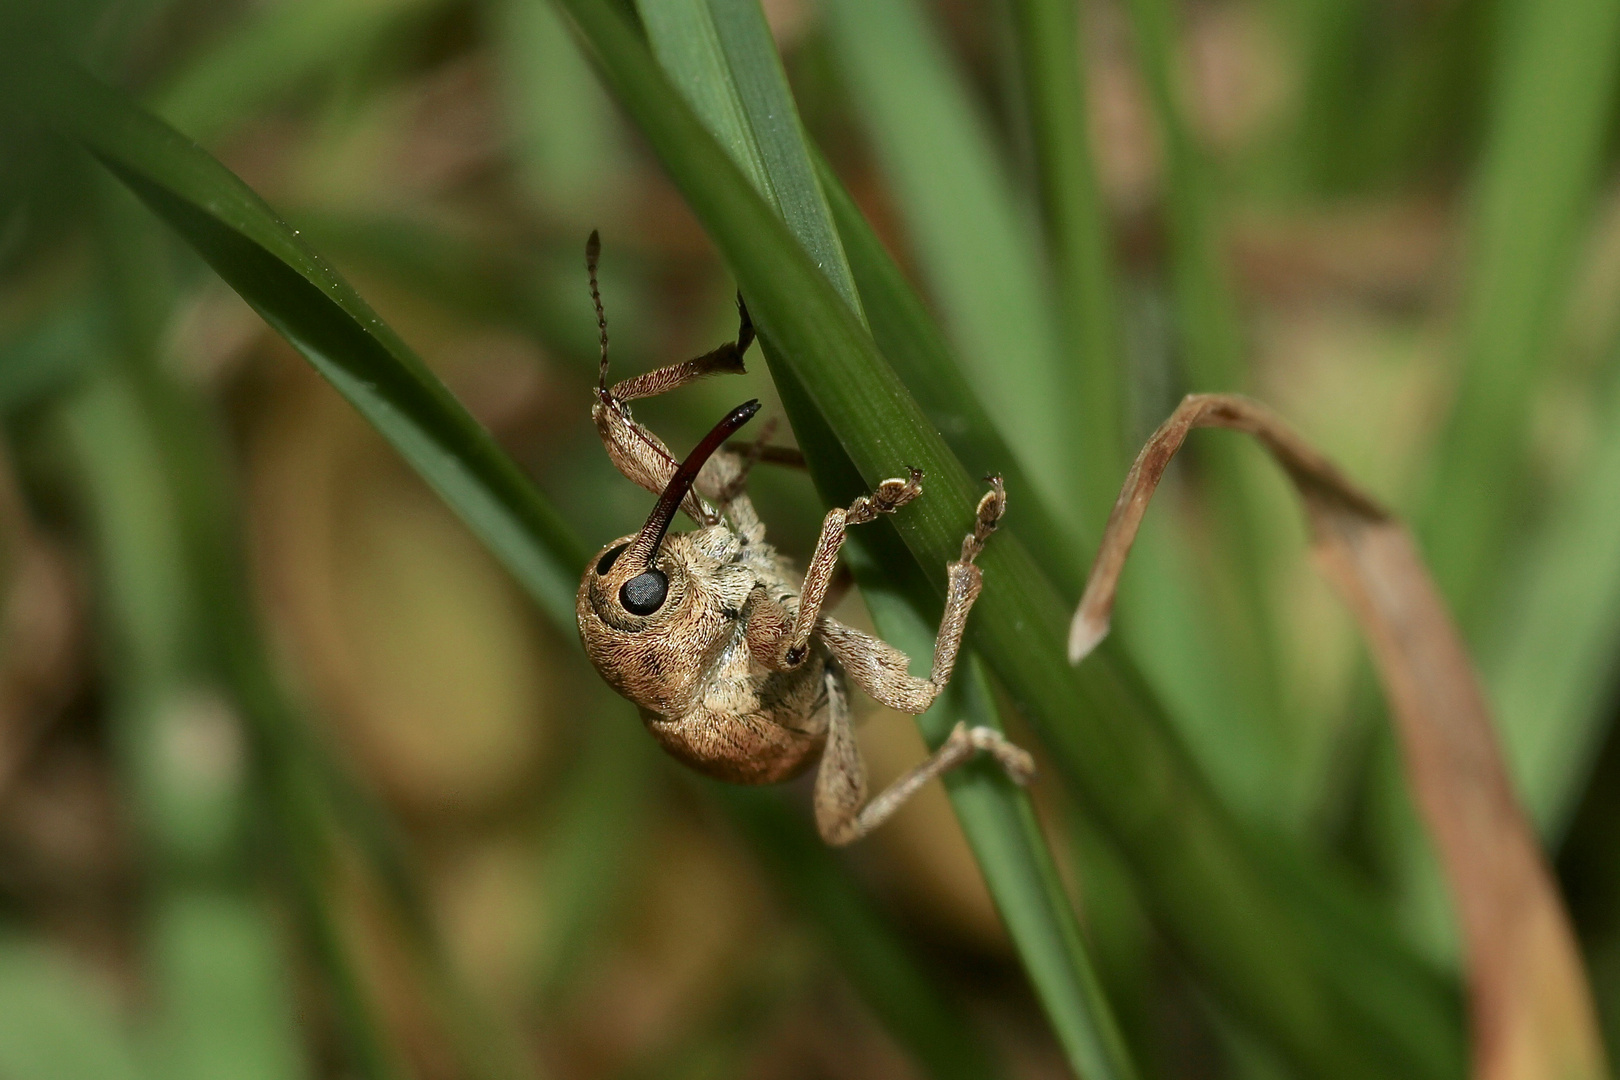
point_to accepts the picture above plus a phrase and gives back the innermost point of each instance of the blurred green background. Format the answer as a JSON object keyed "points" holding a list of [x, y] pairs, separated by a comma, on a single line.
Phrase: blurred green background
{"points": [[297, 782]]}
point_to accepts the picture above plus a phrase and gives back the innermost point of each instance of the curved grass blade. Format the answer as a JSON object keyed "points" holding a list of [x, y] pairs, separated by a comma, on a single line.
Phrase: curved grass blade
{"points": [[1317, 982], [306, 302], [1553, 101], [1529, 1001]]}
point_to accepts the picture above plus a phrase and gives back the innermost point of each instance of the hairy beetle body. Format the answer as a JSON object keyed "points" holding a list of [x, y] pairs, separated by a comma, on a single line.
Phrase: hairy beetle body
{"points": [[723, 645]]}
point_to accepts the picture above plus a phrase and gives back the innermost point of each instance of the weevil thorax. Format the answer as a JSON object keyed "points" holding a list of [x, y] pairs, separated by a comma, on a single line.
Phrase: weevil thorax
{"points": [[661, 657]]}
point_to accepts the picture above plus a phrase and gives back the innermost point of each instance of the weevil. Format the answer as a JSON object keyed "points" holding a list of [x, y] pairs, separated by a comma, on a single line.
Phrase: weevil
{"points": [[724, 646]]}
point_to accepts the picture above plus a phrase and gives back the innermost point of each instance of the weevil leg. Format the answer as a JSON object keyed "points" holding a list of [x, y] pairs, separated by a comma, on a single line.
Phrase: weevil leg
{"points": [[788, 457], [742, 462], [789, 642], [882, 670], [963, 580], [634, 450], [840, 793], [727, 359]]}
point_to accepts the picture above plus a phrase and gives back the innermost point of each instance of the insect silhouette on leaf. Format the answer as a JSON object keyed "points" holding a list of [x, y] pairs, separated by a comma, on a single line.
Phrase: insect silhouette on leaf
{"points": [[724, 646]]}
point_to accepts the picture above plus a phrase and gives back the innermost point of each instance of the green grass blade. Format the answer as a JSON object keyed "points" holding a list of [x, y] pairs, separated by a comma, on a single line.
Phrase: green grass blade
{"points": [[1183, 666], [57, 1023], [1077, 242], [325, 319], [191, 825], [190, 504], [276, 48], [720, 53], [1231, 632], [1548, 127], [913, 344], [1208, 336], [48, 356], [568, 140], [1311, 985], [998, 819], [975, 242], [1550, 662], [899, 990]]}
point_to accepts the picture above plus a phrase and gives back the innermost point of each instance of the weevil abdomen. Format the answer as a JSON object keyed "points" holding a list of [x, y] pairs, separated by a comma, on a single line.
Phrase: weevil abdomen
{"points": [[752, 726]]}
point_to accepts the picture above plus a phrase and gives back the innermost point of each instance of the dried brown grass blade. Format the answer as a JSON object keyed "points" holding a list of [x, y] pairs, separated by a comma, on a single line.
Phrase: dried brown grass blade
{"points": [[1530, 1007]]}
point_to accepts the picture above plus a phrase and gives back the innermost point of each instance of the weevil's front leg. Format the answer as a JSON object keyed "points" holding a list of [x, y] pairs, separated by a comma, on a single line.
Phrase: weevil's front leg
{"points": [[840, 794], [784, 643], [884, 671]]}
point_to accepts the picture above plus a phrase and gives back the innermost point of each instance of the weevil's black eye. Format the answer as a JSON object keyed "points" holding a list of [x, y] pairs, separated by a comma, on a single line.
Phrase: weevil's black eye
{"points": [[644, 593], [606, 562]]}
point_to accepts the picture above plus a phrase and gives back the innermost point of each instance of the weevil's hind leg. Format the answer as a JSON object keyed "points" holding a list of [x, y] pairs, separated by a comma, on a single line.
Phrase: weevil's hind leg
{"points": [[840, 794]]}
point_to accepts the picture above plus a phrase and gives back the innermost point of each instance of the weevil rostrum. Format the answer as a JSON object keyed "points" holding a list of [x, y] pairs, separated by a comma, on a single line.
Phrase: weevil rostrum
{"points": [[722, 644]]}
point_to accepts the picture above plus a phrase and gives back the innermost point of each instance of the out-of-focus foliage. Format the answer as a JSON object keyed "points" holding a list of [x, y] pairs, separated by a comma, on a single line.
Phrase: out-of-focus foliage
{"points": [[298, 778]]}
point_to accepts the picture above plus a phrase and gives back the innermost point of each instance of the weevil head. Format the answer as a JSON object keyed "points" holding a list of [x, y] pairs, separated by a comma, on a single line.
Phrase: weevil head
{"points": [[655, 610]]}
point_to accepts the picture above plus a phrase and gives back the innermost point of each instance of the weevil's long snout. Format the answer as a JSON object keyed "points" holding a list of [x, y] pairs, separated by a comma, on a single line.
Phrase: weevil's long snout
{"points": [[646, 543]]}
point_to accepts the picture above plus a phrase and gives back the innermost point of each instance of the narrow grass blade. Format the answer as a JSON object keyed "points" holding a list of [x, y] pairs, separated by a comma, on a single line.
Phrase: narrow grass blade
{"points": [[310, 305], [976, 245], [1077, 242], [1209, 339], [721, 55], [213, 620], [190, 822], [913, 344], [1555, 638], [273, 50], [1529, 1001], [568, 140], [1233, 631], [997, 818], [899, 990], [1307, 975], [1549, 124]]}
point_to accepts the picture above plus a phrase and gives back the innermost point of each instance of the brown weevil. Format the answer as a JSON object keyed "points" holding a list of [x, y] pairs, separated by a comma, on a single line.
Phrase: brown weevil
{"points": [[723, 645]]}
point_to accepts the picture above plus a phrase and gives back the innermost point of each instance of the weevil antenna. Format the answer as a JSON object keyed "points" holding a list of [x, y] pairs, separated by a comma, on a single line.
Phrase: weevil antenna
{"points": [[593, 253], [646, 543]]}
